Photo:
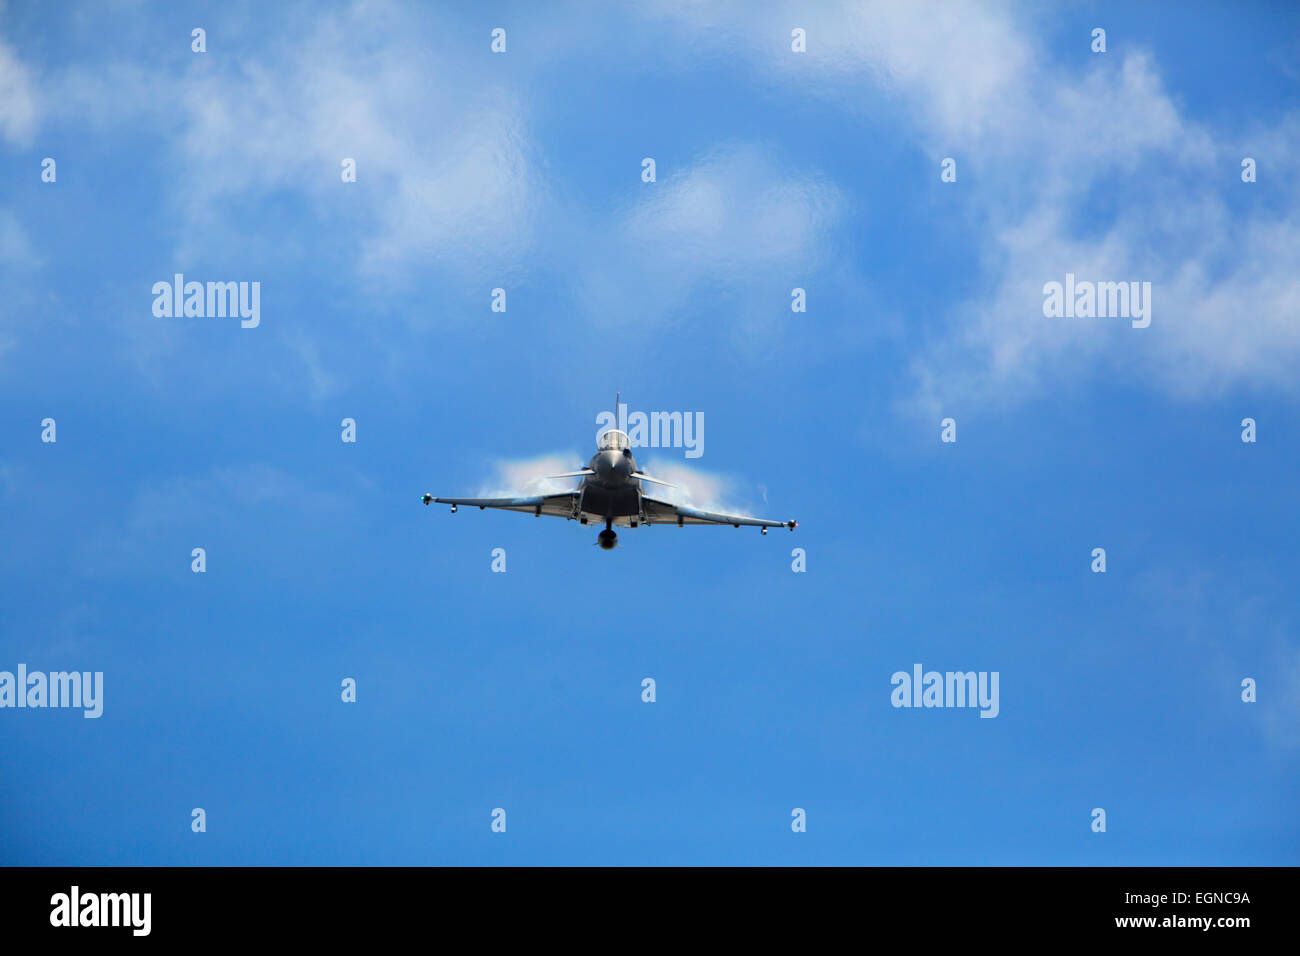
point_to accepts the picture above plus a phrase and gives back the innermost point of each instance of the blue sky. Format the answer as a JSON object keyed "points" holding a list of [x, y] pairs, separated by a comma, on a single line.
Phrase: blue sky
{"points": [[522, 690]]}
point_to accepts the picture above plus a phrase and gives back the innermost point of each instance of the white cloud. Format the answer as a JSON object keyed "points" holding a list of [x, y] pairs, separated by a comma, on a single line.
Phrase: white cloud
{"points": [[729, 219], [1225, 285], [445, 167], [18, 106], [953, 62], [445, 171], [443, 151]]}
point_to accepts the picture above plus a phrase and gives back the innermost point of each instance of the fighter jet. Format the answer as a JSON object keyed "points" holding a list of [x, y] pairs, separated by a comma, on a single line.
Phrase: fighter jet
{"points": [[612, 490]]}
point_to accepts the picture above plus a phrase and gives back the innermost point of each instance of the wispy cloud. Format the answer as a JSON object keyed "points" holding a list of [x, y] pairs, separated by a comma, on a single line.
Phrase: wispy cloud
{"points": [[954, 64], [528, 476], [729, 219], [441, 150], [696, 488], [1226, 283], [18, 103]]}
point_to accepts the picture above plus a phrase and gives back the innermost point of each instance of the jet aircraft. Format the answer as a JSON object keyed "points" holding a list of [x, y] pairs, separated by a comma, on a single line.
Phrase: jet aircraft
{"points": [[612, 490]]}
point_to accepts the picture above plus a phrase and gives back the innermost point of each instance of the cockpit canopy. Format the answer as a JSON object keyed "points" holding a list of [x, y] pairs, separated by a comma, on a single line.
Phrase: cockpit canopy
{"points": [[612, 440]]}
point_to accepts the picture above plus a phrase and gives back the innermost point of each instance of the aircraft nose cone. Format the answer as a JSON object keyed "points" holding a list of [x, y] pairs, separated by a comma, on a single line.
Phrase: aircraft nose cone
{"points": [[612, 467]]}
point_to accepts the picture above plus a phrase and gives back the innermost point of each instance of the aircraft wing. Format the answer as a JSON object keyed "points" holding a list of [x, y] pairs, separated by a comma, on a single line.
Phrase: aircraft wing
{"points": [[663, 512], [560, 506]]}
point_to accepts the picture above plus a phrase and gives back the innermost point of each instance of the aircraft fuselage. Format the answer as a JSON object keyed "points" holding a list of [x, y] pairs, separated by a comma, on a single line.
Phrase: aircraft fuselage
{"points": [[611, 494]]}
